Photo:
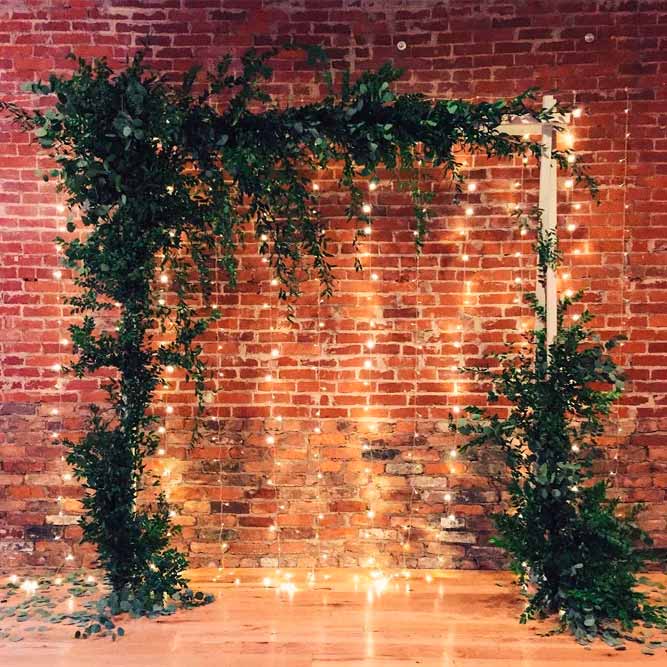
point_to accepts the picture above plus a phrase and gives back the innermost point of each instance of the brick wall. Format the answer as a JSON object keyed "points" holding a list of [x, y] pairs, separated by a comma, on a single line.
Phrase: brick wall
{"points": [[347, 493]]}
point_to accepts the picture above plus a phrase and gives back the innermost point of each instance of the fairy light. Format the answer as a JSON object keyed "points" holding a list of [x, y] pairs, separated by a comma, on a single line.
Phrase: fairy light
{"points": [[418, 362], [369, 363], [319, 518], [624, 301], [224, 546]]}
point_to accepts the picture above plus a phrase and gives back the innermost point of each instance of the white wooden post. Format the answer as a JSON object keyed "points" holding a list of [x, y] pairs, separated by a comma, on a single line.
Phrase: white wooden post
{"points": [[547, 298], [548, 203]]}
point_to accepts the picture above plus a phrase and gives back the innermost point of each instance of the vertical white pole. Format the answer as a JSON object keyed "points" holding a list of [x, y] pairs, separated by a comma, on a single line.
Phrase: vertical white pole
{"points": [[548, 298]]}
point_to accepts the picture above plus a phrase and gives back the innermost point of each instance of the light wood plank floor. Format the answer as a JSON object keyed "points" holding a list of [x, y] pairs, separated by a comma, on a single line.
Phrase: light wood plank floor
{"points": [[344, 619]]}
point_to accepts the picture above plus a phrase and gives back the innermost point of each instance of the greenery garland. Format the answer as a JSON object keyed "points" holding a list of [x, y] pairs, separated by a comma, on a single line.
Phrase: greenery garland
{"points": [[159, 179], [573, 550]]}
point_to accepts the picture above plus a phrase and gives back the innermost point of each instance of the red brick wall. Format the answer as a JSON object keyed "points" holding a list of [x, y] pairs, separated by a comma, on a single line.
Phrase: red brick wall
{"points": [[457, 48]]}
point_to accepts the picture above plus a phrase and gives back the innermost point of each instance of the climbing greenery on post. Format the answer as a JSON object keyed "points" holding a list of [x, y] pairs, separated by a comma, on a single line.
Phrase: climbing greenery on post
{"points": [[573, 549], [160, 179]]}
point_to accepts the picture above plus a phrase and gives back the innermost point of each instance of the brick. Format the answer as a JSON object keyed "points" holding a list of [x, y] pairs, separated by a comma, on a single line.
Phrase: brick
{"points": [[368, 457]]}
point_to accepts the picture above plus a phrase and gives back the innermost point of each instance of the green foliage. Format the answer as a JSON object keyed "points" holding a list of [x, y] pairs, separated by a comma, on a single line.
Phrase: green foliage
{"points": [[572, 548], [75, 600], [161, 180]]}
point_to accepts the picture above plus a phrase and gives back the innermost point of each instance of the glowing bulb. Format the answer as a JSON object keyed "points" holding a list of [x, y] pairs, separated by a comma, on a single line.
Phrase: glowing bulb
{"points": [[64, 341], [569, 183], [571, 227], [164, 278], [370, 514], [469, 211], [472, 187], [571, 158], [368, 363], [275, 352], [517, 280], [568, 138], [568, 293], [366, 208], [372, 185], [57, 274], [161, 430], [576, 206], [374, 276], [274, 281], [576, 113], [566, 276], [263, 237], [169, 369], [161, 451], [448, 497], [268, 377], [367, 230], [453, 453], [575, 317], [169, 409], [56, 368], [465, 257], [575, 448], [69, 557], [270, 439], [317, 429], [316, 186], [370, 343]]}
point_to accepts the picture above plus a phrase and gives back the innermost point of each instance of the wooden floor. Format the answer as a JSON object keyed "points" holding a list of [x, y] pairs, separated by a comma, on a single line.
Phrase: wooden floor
{"points": [[343, 619]]}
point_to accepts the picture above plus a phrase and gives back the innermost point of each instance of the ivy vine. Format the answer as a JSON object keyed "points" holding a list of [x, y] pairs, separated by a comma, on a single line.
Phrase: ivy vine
{"points": [[160, 179]]}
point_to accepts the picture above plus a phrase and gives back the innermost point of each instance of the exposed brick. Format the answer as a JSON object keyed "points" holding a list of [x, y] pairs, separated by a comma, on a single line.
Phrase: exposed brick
{"points": [[368, 455]]}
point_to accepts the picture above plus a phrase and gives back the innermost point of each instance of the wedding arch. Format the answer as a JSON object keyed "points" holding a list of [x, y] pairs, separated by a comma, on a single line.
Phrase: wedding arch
{"points": [[161, 180]]}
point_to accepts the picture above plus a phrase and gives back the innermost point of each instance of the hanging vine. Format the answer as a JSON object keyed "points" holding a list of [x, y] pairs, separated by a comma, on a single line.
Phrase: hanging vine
{"points": [[160, 179]]}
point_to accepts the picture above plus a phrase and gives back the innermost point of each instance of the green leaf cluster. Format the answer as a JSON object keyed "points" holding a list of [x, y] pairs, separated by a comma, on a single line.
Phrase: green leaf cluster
{"points": [[573, 548]]}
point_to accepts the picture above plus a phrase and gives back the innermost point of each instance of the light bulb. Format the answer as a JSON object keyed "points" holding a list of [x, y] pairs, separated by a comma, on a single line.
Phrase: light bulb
{"points": [[453, 454], [370, 343], [366, 208], [56, 368], [317, 429], [576, 113], [274, 281], [568, 293], [275, 352], [316, 187], [568, 138], [571, 158], [367, 230], [368, 363], [169, 369], [372, 185], [57, 274], [161, 429], [270, 440], [263, 237], [370, 514], [465, 257], [571, 227], [576, 206], [374, 276], [569, 183], [161, 451], [472, 187], [448, 497], [469, 211], [169, 409], [268, 377], [575, 317]]}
